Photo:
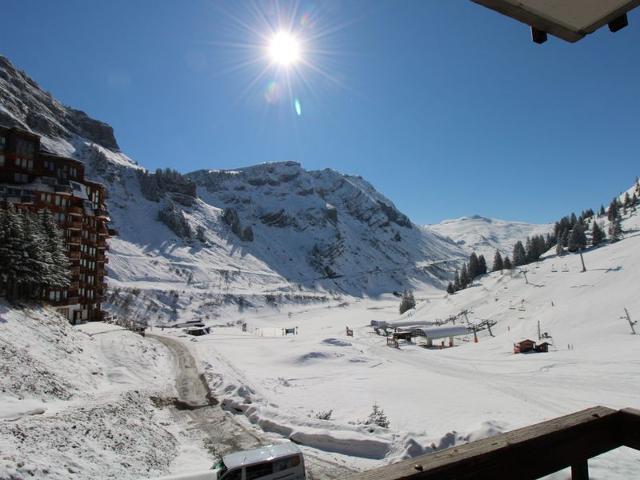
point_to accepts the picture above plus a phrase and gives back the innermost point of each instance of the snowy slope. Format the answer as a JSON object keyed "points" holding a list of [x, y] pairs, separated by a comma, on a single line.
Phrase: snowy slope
{"points": [[438, 398], [75, 401], [486, 235], [315, 234]]}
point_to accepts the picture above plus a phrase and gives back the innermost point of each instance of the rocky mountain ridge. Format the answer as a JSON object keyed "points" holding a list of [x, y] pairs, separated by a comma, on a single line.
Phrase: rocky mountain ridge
{"points": [[256, 232]]}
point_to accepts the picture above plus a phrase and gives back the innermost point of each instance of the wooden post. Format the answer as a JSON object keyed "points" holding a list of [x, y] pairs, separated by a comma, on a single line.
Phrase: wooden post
{"points": [[580, 471], [539, 336], [584, 269], [631, 323]]}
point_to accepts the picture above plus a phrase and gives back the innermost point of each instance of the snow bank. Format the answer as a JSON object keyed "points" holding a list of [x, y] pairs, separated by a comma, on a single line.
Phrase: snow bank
{"points": [[75, 401]]}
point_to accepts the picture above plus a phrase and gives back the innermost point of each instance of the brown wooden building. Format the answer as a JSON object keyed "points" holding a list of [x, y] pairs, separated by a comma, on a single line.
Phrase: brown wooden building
{"points": [[36, 180]]}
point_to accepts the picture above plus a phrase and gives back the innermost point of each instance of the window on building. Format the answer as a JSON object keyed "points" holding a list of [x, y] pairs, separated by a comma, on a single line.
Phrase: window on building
{"points": [[25, 148], [21, 177], [55, 295]]}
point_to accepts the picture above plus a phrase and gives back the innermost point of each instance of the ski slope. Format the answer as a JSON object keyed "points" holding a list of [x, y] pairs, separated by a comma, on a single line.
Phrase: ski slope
{"points": [[437, 398]]}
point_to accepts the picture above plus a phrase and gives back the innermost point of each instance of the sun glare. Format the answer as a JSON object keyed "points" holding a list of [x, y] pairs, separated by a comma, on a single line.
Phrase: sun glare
{"points": [[284, 49]]}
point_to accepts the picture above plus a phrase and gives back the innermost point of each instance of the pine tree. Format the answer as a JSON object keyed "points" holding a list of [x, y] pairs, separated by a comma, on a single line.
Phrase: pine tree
{"points": [[559, 249], [456, 282], [36, 256], [613, 210], [577, 240], [451, 289], [597, 234], [574, 219], [519, 254], [482, 265], [615, 229], [408, 302], [14, 253], [473, 268], [464, 277], [602, 210], [564, 238], [507, 263], [378, 417], [498, 264], [58, 272]]}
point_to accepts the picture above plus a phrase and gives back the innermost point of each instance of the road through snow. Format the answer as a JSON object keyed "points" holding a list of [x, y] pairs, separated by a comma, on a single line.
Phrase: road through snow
{"points": [[192, 392], [220, 431]]}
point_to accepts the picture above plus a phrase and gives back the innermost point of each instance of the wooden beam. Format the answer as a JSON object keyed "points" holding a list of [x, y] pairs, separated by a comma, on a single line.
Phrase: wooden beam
{"points": [[519, 12], [630, 426], [527, 453], [580, 471]]}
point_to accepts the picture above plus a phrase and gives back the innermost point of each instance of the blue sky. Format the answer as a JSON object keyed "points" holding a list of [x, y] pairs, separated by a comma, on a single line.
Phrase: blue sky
{"points": [[446, 107]]}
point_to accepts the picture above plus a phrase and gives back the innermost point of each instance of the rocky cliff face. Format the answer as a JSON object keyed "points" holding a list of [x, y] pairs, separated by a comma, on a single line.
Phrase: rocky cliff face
{"points": [[26, 105], [324, 226]]}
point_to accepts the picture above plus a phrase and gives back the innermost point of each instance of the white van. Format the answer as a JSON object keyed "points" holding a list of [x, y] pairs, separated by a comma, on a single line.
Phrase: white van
{"points": [[273, 462]]}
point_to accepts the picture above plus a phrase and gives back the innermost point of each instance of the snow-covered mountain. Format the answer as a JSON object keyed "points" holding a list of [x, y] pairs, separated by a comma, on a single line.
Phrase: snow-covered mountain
{"points": [[486, 235], [248, 235]]}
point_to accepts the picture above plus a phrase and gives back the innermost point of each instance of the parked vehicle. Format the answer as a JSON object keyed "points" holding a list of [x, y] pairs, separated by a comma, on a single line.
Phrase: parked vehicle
{"points": [[272, 462]]}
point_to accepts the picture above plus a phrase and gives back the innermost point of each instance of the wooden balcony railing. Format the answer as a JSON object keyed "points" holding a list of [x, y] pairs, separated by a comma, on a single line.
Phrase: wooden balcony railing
{"points": [[73, 225], [525, 454], [75, 211]]}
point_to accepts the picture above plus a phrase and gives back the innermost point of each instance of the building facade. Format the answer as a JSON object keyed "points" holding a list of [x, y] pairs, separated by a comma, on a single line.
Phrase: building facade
{"points": [[33, 179]]}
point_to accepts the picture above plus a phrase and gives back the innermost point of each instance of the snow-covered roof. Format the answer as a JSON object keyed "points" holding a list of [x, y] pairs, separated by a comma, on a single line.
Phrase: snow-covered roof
{"points": [[262, 454], [443, 332]]}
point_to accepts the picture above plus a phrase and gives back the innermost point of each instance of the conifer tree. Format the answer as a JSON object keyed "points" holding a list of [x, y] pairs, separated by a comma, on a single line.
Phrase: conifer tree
{"points": [[613, 210], [408, 302], [13, 269], [597, 234], [507, 263], [473, 268], [451, 289], [602, 210], [464, 277], [498, 264], [519, 254], [577, 240], [615, 229], [456, 282], [58, 275], [482, 265]]}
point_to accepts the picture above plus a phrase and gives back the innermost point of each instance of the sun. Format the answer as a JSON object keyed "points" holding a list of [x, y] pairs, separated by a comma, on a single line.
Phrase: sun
{"points": [[284, 49]]}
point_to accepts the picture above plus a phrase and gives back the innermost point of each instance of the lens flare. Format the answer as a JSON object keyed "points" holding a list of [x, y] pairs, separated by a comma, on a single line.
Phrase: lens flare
{"points": [[297, 106]]}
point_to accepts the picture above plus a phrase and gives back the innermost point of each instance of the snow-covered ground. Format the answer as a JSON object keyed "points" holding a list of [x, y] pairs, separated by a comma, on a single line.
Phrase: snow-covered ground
{"points": [[75, 402], [435, 398]]}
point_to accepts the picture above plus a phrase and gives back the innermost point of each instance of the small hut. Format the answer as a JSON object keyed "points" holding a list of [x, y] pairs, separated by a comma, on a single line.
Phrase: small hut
{"points": [[524, 346], [543, 347]]}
